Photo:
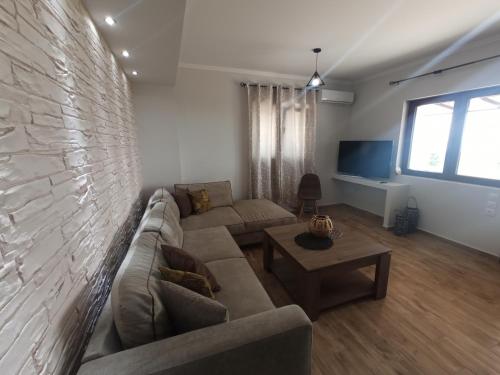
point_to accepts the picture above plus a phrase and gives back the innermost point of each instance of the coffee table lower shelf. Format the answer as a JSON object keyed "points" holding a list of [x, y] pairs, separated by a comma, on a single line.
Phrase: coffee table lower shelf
{"points": [[335, 289]]}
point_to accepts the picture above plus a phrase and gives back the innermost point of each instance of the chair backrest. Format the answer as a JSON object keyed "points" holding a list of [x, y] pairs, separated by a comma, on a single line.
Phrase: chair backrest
{"points": [[309, 187]]}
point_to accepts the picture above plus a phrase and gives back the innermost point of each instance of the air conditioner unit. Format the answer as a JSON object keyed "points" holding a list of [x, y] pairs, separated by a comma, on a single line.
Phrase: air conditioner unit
{"points": [[335, 96]]}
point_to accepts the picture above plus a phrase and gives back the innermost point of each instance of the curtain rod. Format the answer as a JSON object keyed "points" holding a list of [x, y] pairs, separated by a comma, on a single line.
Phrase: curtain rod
{"points": [[244, 84], [439, 71]]}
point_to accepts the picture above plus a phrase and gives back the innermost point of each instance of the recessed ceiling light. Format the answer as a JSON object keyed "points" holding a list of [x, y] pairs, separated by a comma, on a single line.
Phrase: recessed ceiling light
{"points": [[125, 53], [134, 72], [109, 20]]}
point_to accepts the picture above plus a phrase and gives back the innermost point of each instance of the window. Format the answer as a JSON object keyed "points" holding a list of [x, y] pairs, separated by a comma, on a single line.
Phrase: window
{"points": [[431, 131], [455, 137]]}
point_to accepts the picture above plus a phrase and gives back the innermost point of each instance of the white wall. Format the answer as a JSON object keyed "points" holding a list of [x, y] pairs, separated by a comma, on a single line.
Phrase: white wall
{"points": [[69, 175], [449, 209], [198, 130], [332, 120], [156, 112]]}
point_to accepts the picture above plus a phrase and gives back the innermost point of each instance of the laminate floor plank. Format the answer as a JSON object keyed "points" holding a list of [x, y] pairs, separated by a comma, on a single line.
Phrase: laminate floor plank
{"points": [[441, 314]]}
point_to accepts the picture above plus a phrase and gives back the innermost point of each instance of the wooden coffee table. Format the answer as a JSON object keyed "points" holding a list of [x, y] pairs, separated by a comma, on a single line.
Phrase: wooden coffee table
{"points": [[319, 279]]}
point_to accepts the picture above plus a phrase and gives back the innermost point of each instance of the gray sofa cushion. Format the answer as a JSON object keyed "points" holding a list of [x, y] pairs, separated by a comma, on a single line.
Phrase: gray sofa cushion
{"points": [[258, 214], [189, 310], [219, 192], [241, 292], [211, 244], [162, 219], [173, 209], [218, 216], [158, 210], [159, 195], [163, 195], [138, 311]]}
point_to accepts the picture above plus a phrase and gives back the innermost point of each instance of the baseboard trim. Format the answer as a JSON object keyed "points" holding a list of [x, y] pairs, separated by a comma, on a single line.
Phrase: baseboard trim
{"points": [[461, 244], [441, 237]]}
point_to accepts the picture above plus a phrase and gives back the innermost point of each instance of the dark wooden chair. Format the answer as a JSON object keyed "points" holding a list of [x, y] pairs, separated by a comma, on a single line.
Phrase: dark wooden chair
{"points": [[309, 191]]}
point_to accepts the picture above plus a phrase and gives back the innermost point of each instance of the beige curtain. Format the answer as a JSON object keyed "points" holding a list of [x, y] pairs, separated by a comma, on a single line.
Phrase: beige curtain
{"points": [[282, 125]]}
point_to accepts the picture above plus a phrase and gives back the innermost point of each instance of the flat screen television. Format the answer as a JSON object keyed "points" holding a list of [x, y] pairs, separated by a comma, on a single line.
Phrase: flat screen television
{"points": [[370, 159]]}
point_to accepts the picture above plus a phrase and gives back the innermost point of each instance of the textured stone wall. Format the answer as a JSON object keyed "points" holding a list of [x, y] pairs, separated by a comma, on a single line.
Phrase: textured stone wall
{"points": [[69, 178]]}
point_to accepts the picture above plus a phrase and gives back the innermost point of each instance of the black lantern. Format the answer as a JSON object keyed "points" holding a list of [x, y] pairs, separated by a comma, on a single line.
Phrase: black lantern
{"points": [[316, 80]]}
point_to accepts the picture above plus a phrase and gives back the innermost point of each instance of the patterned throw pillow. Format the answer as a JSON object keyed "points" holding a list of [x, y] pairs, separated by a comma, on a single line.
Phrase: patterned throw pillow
{"points": [[179, 259], [193, 281], [200, 201]]}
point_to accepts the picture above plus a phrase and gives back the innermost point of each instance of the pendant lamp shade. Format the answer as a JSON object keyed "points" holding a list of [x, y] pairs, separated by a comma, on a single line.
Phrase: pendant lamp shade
{"points": [[316, 80]]}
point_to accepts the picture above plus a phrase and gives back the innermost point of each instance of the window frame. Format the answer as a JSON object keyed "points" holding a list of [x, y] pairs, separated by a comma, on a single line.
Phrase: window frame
{"points": [[461, 106]]}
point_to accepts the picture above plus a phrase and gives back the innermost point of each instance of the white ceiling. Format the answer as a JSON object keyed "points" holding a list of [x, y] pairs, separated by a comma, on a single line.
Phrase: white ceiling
{"points": [[358, 37], [149, 29]]}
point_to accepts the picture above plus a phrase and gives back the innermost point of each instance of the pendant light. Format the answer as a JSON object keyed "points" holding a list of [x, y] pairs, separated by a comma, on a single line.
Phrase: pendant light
{"points": [[316, 80]]}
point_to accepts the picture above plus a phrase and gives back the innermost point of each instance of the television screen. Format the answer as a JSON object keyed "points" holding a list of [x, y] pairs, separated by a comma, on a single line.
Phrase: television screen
{"points": [[370, 159]]}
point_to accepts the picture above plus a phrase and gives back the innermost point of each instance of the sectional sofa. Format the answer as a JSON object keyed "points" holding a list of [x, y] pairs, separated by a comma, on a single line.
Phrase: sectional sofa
{"points": [[133, 336], [245, 219]]}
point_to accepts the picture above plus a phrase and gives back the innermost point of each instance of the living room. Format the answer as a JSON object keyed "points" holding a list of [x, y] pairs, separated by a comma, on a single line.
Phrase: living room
{"points": [[262, 187]]}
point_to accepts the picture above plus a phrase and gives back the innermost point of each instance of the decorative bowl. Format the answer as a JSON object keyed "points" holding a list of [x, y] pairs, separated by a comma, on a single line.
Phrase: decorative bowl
{"points": [[321, 226]]}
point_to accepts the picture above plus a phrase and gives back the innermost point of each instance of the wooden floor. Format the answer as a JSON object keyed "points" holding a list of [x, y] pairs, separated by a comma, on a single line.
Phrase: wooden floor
{"points": [[441, 314]]}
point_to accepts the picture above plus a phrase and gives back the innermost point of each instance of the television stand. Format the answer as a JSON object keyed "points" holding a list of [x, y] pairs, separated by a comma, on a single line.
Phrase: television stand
{"points": [[396, 194]]}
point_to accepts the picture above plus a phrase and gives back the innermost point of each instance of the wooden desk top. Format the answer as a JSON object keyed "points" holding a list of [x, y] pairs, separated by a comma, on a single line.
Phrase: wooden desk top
{"points": [[353, 246]]}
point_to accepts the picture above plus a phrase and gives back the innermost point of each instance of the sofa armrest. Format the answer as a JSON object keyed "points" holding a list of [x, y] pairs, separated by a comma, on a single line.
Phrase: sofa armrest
{"points": [[273, 342]]}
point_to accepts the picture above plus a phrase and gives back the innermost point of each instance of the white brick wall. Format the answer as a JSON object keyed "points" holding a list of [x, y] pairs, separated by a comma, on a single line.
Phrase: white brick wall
{"points": [[69, 174]]}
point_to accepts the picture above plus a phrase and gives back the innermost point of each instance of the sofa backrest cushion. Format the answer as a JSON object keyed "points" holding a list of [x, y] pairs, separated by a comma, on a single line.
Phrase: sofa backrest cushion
{"points": [[160, 194], [164, 220], [163, 195], [139, 314], [219, 192]]}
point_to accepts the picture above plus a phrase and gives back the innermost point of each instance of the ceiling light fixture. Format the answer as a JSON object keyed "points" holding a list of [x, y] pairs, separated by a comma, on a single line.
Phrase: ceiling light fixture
{"points": [[316, 80], [134, 72], [125, 53], [109, 20]]}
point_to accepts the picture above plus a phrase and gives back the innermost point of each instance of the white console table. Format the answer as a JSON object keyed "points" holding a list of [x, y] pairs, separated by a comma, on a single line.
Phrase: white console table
{"points": [[396, 194]]}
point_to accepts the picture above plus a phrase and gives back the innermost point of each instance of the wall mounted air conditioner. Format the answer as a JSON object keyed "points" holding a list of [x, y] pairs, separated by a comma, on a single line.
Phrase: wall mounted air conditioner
{"points": [[335, 96]]}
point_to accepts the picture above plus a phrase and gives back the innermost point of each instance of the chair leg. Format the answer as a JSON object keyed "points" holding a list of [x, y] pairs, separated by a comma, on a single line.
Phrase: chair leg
{"points": [[316, 208], [301, 211]]}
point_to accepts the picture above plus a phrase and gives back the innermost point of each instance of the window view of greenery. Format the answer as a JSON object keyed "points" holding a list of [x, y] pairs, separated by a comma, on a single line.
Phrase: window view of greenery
{"points": [[431, 131], [480, 149]]}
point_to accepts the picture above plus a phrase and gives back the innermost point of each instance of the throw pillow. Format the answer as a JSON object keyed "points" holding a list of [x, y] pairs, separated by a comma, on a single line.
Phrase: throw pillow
{"points": [[200, 201], [183, 202], [189, 310], [193, 281], [179, 259]]}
